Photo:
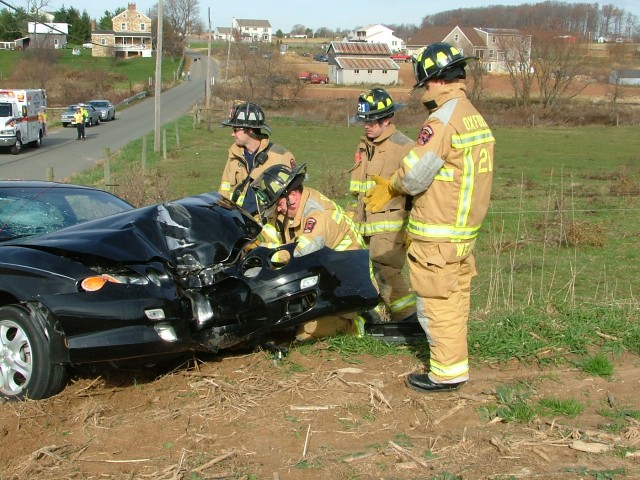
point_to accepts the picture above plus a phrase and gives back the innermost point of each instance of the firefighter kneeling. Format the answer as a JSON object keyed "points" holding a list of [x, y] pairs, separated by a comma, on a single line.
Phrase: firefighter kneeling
{"points": [[293, 213]]}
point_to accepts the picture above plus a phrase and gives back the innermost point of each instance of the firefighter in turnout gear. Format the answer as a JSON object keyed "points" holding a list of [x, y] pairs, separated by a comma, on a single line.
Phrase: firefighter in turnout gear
{"points": [[250, 154], [292, 212], [380, 153], [449, 173]]}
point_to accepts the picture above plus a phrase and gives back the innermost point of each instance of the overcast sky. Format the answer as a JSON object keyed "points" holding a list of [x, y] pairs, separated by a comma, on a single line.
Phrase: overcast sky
{"points": [[333, 14]]}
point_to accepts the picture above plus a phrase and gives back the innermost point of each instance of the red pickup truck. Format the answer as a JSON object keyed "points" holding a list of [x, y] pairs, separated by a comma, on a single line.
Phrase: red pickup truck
{"points": [[310, 77], [402, 57]]}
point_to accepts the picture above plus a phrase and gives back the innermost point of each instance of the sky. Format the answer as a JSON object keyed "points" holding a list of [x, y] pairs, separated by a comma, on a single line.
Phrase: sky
{"points": [[333, 14]]}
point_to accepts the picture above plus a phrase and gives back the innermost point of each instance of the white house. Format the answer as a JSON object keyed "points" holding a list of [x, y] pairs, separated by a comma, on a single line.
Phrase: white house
{"points": [[355, 63], [377, 34], [222, 33], [252, 31]]}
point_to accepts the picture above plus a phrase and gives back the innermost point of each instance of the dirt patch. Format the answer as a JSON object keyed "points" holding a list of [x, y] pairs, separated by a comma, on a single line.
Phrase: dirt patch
{"points": [[316, 415]]}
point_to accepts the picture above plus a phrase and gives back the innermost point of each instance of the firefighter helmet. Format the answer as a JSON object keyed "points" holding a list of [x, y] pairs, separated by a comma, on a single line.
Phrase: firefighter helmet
{"points": [[246, 115], [276, 182], [375, 104], [439, 61]]}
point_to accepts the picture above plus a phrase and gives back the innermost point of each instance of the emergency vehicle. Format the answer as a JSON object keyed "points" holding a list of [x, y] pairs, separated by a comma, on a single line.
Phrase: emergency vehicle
{"points": [[23, 118]]}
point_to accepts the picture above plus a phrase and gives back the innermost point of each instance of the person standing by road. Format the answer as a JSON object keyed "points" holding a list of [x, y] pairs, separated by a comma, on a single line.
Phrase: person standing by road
{"points": [[380, 153], [78, 119], [294, 213], [250, 155], [449, 172]]}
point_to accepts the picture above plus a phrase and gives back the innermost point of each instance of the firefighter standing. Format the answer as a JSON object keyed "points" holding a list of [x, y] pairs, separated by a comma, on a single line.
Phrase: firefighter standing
{"points": [[250, 154], [449, 173], [294, 213], [78, 119], [380, 153]]}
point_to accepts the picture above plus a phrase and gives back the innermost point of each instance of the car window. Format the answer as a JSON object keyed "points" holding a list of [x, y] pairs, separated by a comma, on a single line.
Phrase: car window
{"points": [[34, 211]]}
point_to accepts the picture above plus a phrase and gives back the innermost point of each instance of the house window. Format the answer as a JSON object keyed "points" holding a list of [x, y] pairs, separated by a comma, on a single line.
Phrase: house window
{"points": [[142, 27], [491, 53], [123, 26], [494, 39], [356, 71], [103, 41], [384, 72], [369, 72], [456, 38], [489, 65], [479, 54]]}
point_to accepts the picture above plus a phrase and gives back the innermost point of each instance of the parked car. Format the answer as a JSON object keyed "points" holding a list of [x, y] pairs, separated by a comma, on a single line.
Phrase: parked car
{"points": [[106, 108], [67, 117], [85, 277], [320, 57]]}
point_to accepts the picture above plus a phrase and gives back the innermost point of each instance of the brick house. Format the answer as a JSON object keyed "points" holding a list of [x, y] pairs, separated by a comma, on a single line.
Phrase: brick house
{"points": [[130, 37]]}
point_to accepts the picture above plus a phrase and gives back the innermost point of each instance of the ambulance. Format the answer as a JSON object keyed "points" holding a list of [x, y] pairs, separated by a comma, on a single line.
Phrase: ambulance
{"points": [[23, 118]]}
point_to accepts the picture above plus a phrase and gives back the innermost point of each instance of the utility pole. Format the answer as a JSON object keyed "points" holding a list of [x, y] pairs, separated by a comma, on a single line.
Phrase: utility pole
{"points": [[226, 70], [158, 89], [207, 87]]}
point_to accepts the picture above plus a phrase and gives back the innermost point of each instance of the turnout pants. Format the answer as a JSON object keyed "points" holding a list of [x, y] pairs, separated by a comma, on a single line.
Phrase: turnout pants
{"points": [[441, 274], [388, 257]]}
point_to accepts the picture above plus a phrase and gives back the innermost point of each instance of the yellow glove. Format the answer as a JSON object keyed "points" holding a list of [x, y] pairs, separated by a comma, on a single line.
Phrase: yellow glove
{"points": [[379, 195]]}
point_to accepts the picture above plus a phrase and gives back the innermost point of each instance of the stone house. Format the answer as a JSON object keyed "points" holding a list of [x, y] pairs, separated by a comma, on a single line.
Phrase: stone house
{"points": [[131, 36]]}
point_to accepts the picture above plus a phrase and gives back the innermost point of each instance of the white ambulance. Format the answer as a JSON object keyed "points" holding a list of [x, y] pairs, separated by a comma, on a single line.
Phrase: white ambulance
{"points": [[23, 118]]}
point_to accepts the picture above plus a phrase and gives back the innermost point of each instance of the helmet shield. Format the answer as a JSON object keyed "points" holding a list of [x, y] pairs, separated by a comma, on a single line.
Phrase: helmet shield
{"points": [[246, 115], [439, 61]]}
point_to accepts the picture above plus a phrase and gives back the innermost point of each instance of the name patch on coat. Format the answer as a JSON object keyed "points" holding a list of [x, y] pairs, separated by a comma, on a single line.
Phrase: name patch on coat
{"points": [[425, 135], [310, 225]]}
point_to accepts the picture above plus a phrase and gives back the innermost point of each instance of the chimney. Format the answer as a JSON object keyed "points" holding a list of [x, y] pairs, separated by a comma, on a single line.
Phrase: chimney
{"points": [[93, 25], [132, 6]]}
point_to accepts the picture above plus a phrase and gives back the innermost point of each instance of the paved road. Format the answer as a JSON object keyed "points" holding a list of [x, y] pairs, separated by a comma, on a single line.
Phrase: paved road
{"points": [[61, 151]]}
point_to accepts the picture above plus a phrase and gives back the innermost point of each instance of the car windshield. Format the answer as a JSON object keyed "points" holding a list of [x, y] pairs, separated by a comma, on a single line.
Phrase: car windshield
{"points": [[26, 211], [72, 108], [100, 104]]}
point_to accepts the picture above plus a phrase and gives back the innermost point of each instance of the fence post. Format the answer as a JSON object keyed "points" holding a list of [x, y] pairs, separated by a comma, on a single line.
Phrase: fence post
{"points": [[107, 171], [49, 174], [144, 154], [164, 144], [177, 136]]}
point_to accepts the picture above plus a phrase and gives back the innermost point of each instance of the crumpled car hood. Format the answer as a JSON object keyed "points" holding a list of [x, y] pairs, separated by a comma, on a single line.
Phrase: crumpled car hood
{"points": [[193, 232]]}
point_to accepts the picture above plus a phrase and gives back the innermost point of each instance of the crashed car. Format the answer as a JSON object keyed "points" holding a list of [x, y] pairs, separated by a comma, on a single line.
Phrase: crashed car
{"points": [[85, 277]]}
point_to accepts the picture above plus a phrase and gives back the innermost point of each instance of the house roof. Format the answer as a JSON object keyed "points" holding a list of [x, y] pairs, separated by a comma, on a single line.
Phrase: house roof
{"points": [[359, 48], [243, 22], [48, 28], [364, 63], [224, 30], [429, 34], [501, 31]]}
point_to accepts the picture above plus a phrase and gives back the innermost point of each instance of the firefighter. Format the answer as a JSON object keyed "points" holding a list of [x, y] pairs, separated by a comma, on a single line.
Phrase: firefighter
{"points": [[380, 153], [250, 154], [449, 173], [292, 212], [78, 119]]}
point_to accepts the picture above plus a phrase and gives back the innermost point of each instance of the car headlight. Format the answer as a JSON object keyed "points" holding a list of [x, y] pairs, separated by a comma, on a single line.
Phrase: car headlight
{"points": [[96, 282], [309, 282]]}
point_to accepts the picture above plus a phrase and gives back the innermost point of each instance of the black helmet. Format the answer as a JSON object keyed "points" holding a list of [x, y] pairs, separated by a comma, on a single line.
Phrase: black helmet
{"points": [[375, 104], [439, 60], [245, 115], [276, 182]]}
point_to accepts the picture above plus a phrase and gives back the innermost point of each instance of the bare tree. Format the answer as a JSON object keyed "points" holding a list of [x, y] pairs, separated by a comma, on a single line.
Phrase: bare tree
{"points": [[517, 58], [478, 74], [182, 16], [557, 63]]}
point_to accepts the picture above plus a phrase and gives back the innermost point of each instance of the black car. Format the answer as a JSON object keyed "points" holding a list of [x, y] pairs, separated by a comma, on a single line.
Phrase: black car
{"points": [[85, 277]]}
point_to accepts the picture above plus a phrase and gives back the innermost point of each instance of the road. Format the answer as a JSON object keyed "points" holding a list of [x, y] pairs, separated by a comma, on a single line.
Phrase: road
{"points": [[65, 155]]}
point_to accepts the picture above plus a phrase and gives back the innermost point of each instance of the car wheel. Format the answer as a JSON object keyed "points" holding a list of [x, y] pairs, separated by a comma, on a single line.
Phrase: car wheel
{"points": [[17, 147], [64, 125], [98, 121], [37, 143], [26, 370]]}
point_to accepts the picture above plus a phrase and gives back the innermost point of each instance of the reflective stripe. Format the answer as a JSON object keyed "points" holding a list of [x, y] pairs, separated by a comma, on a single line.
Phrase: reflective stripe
{"points": [[384, 226], [449, 371], [442, 231], [225, 186], [356, 186], [410, 159], [472, 139], [402, 303], [269, 236], [466, 188], [445, 175]]}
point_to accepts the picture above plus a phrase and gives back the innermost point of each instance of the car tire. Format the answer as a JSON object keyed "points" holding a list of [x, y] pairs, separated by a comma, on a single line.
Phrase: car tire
{"points": [[37, 143], [28, 371], [17, 147], [65, 125]]}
